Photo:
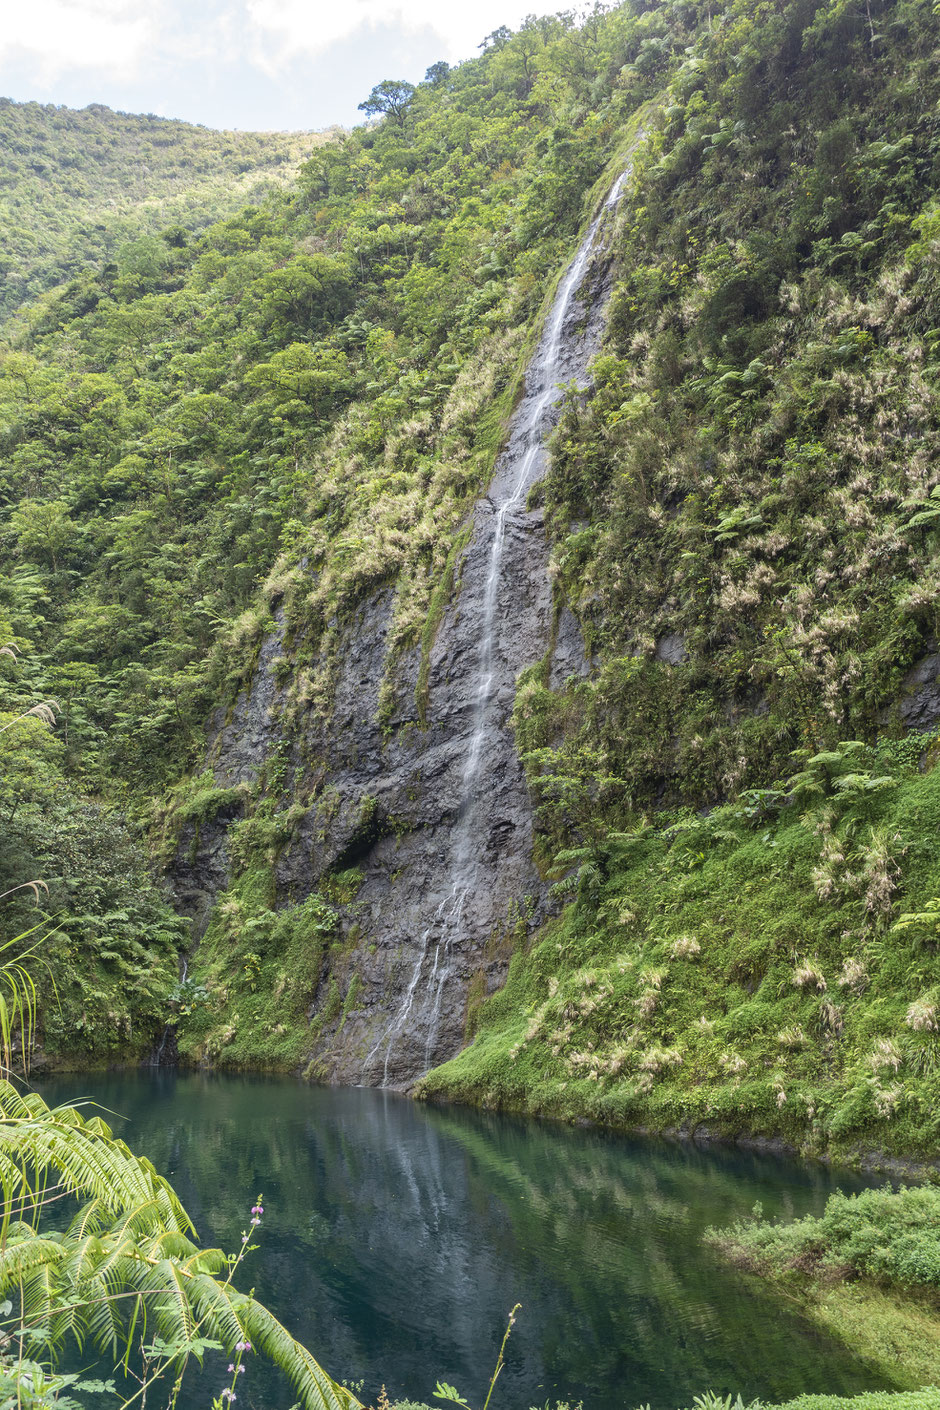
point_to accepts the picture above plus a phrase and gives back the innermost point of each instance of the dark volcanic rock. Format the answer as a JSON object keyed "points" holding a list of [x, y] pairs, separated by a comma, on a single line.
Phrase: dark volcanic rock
{"points": [[437, 816], [671, 649], [920, 705]]}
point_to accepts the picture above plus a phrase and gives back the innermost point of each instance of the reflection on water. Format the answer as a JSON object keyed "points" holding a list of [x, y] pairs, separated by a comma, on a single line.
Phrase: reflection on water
{"points": [[397, 1237]]}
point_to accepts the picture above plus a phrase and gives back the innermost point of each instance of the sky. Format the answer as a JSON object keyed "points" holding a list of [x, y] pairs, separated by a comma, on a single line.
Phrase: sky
{"points": [[249, 64]]}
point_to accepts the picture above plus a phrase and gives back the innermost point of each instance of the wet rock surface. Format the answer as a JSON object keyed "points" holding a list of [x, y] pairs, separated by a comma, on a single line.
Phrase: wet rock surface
{"points": [[919, 706], [437, 816], [201, 869], [671, 649], [240, 741]]}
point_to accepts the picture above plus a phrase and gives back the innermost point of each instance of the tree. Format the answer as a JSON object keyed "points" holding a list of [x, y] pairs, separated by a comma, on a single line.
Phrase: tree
{"points": [[43, 530], [30, 774], [304, 296], [303, 377], [390, 98], [497, 38]]}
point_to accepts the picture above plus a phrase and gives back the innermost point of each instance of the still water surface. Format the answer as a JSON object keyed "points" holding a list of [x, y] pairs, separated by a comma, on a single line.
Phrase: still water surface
{"points": [[396, 1238]]}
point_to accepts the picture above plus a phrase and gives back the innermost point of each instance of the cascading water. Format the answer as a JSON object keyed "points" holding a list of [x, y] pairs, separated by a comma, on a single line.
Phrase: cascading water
{"points": [[447, 881], [542, 382], [158, 1058], [471, 856]]}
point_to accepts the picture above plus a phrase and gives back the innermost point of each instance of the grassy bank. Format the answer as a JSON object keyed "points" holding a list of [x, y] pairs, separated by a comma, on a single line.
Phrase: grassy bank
{"points": [[769, 968], [927, 1398], [867, 1271]]}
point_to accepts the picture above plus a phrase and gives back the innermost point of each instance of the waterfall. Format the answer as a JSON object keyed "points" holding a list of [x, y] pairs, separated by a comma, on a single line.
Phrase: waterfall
{"points": [[156, 1058], [535, 422], [421, 732], [472, 859]]}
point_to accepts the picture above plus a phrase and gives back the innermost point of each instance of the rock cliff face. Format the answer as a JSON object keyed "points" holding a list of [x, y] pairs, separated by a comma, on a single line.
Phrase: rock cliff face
{"points": [[435, 814]]}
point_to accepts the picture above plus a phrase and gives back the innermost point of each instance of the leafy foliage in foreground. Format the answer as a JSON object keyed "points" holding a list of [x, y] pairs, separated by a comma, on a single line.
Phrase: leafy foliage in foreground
{"points": [[126, 1265], [926, 1399]]}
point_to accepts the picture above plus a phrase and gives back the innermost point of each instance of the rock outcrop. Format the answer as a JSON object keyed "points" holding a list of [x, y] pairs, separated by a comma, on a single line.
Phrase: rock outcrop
{"points": [[435, 814]]}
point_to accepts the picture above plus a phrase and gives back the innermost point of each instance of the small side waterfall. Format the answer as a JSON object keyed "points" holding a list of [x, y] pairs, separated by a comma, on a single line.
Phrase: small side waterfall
{"points": [[165, 1054], [487, 649]]}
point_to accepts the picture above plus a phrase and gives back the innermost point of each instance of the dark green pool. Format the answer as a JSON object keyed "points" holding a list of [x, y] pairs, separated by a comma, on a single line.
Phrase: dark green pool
{"points": [[397, 1237]]}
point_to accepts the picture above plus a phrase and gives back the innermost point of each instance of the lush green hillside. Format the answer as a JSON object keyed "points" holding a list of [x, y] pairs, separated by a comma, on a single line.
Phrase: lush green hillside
{"points": [[77, 186], [743, 513], [320, 376], [744, 520], [741, 971], [297, 407]]}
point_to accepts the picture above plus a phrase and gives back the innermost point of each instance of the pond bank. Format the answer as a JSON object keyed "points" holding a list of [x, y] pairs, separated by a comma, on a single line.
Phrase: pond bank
{"points": [[438, 1087], [849, 1156], [867, 1270]]}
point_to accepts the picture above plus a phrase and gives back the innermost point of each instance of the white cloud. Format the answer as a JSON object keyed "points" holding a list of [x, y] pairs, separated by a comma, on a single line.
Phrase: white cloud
{"points": [[244, 63], [110, 35], [293, 27]]}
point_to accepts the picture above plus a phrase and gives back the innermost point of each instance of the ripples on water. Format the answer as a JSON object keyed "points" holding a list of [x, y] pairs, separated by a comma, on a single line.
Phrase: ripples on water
{"points": [[397, 1237]]}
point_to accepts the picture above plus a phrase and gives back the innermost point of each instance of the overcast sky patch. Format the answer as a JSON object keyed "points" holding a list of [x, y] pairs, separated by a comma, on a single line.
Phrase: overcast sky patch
{"points": [[250, 64]]}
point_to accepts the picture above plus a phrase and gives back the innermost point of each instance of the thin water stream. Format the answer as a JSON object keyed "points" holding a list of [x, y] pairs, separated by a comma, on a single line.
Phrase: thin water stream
{"points": [[396, 1238], [563, 353]]}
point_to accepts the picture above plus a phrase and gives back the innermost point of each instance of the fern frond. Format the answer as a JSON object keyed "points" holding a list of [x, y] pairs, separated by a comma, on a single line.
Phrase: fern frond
{"points": [[315, 1388], [36, 1141], [126, 1257]]}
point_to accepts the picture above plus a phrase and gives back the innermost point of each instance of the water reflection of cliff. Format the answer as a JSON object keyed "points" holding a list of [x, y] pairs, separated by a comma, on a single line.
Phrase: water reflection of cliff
{"points": [[397, 1238]]}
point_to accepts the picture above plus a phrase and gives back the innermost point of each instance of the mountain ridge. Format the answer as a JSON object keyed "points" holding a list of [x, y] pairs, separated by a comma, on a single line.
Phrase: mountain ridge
{"points": [[77, 183]]}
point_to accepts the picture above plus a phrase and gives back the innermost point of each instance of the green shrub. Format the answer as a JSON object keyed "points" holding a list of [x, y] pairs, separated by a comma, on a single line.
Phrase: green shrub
{"points": [[892, 1236]]}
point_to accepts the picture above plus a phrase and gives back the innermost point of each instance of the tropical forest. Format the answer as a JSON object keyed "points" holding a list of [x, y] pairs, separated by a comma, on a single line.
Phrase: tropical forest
{"points": [[470, 731]]}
